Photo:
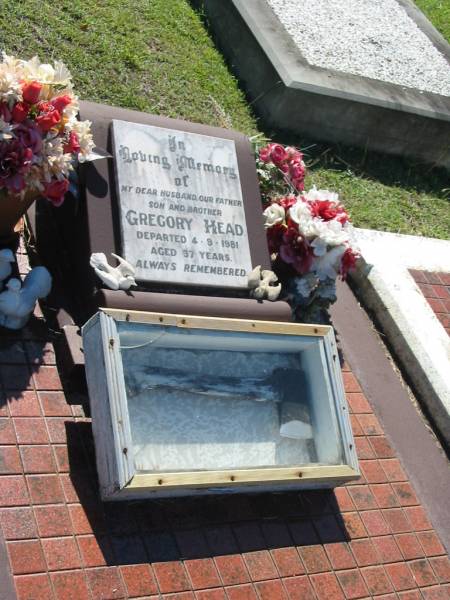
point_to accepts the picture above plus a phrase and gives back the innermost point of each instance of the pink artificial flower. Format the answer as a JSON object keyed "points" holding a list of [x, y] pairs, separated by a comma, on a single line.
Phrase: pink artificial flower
{"points": [[284, 167], [31, 92], [278, 154], [20, 112], [48, 116], [55, 191], [60, 102], [299, 184], [73, 145], [264, 153], [296, 169], [15, 161], [293, 153]]}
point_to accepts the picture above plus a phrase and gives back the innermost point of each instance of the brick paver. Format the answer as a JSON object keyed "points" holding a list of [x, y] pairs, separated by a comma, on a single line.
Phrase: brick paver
{"points": [[367, 539], [436, 289]]}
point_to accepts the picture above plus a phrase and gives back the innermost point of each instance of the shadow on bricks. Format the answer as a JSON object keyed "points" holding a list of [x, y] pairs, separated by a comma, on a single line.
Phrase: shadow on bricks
{"points": [[133, 532]]}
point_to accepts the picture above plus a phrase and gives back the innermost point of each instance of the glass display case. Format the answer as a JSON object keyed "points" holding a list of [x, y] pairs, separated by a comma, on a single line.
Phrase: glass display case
{"points": [[187, 405]]}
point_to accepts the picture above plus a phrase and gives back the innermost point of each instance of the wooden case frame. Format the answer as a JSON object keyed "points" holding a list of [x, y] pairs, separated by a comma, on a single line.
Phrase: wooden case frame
{"points": [[111, 428]]}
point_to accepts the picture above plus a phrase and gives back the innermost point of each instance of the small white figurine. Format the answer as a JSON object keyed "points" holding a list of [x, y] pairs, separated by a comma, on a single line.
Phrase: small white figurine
{"points": [[6, 260], [17, 302], [116, 278], [259, 283]]}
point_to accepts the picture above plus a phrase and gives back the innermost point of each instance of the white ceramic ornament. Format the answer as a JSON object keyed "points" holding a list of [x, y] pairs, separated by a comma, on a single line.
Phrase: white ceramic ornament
{"points": [[260, 283], [115, 278], [17, 302]]}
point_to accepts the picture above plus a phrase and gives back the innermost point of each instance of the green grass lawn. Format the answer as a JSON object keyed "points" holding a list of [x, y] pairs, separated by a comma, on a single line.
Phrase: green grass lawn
{"points": [[438, 12], [156, 56]]}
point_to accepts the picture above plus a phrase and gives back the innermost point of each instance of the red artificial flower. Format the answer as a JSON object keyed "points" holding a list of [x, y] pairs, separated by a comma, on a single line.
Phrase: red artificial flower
{"points": [[55, 191], [20, 112], [291, 233], [295, 250], [278, 154], [72, 145], [31, 92], [60, 102], [287, 202], [48, 116], [342, 217], [348, 262], [328, 210], [275, 237]]}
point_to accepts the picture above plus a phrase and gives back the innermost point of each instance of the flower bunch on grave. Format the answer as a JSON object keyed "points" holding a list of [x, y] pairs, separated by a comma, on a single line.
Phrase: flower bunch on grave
{"points": [[309, 233], [280, 167], [41, 138]]}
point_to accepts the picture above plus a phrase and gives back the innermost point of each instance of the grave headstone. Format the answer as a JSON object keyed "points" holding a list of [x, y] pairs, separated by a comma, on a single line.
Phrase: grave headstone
{"points": [[178, 200], [118, 200], [181, 209]]}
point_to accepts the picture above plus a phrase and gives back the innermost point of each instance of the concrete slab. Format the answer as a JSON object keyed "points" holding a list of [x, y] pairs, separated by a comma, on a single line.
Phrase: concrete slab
{"points": [[419, 339], [290, 94]]}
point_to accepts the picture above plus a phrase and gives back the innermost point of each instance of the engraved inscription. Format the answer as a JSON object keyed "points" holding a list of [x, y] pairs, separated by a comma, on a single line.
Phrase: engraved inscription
{"points": [[181, 207]]}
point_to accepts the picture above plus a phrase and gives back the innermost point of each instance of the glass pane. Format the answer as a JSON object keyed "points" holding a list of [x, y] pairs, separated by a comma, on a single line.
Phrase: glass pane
{"points": [[212, 400]]}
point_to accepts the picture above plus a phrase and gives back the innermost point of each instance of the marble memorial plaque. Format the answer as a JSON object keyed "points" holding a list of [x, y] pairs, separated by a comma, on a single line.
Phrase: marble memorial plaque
{"points": [[181, 206]]}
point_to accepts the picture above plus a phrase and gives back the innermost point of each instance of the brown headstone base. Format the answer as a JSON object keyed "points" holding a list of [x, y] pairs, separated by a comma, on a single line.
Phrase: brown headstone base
{"points": [[207, 306]]}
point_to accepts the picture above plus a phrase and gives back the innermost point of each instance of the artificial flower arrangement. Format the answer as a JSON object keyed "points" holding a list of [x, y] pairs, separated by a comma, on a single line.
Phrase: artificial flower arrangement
{"points": [[41, 138], [309, 233]]}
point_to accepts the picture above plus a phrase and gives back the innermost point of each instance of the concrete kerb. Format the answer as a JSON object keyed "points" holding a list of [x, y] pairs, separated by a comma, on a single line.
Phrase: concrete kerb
{"points": [[292, 95], [413, 330]]}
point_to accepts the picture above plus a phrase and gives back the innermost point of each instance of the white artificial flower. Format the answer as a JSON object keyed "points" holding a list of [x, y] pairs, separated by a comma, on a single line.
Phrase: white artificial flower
{"points": [[273, 214], [70, 112], [300, 212], [34, 70], [304, 285], [57, 161], [350, 231], [333, 233], [319, 245], [83, 131], [315, 194], [13, 63], [62, 74], [10, 89], [311, 227], [6, 130], [33, 178], [328, 265]]}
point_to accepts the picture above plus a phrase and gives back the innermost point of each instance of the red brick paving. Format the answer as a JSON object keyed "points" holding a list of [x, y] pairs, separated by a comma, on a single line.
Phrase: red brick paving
{"points": [[368, 539], [436, 289]]}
